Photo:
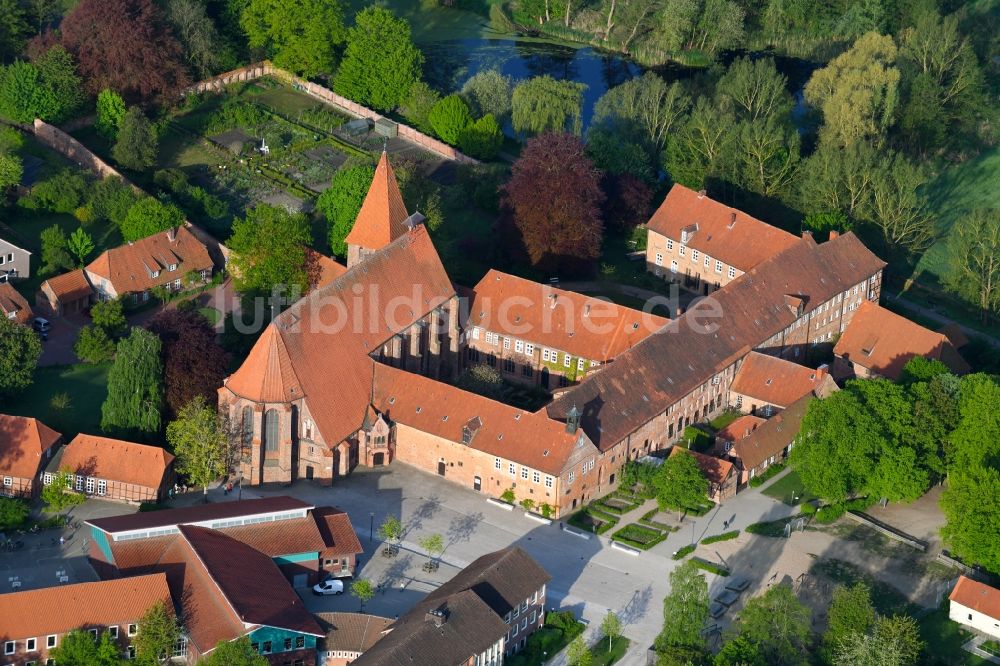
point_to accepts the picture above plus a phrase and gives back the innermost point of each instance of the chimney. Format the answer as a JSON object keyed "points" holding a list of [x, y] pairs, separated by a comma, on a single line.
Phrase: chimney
{"points": [[834, 233], [732, 220], [807, 234], [437, 616], [821, 372], [701, 194]]}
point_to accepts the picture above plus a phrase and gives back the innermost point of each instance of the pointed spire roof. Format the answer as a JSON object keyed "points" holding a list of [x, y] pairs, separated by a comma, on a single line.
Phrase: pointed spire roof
{"points": [[380, 220], [268, 374]]}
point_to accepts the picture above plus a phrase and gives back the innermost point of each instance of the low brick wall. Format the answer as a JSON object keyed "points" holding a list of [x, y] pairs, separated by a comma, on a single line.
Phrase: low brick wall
{"points": [[887, 530], [327, 96]]}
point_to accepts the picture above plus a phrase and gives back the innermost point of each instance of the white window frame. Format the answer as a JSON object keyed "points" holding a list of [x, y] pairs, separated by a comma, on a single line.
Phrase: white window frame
{"points": [[519, 346], [524, 472], [113, 630], [506, 343], [659, 259], [682, 250], [79, 482], [536, 477], [670, 244], [102, 489], [571, 478], [580, 364], [708, 261], [529, 349], [718, 266], [133, 629], [512, 469], [497, 464], [91, 485], [567, 361], [475, 332], [8, 481], [51, 641], [10, 647], [548, 481], [732, 273], [31, 645], [694, 256]]}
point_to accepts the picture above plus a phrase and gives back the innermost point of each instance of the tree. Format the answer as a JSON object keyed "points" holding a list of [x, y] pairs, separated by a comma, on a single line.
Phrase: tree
{"points": [[135, 391], [611, 627], [110, 316], [894, 641], [158, 630], [973, 269], [136, 145], [58, 495], [199, 440], [11, 170], [19, 352], [62, 192], [827, 221], [55, 253], [13, 513], [489, 92], [543, 104], [449, 118], [194, 364], [62, 86], [298, 35], [739, 651], [203, 47], [110, 113], [48, 88], [756, 89], [381, 64], [554, 198], [80, 245], [857, 91], [698, 148], [578, 654], [391, 530], [148, 216], [851, 612], [482, 139], [680, 483], [766, 155], [341, 202], [417, 107], [12, 28], [835, 179], [93, 345], [362, 590], [112, 199], [646, 105], [146, 62], [268, 247], [778, 624], [896, 207], [432, 545], [685, 610], [80, 648], [235, 653]]}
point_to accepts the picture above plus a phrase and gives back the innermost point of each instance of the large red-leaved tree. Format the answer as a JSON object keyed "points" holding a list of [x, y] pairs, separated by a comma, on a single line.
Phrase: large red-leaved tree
{"points": [[124, 45], [553, 199], [193, 363]]}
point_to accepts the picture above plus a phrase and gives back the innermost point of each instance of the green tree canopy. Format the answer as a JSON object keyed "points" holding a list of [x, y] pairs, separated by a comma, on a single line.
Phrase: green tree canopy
{"points": [[756, 89], [893, 641], [55, 254], [199, 439], [13, 512], [680, 483], [80, 648], [362, 590], [110, 316], [685, 610], [158, 630], [544, 104], [298, 35], [19, 352], [58, 495], [268, 248], [851, 612], [135, 385], [417, 107], [80, 245], [646, 106], [380, 62], [341, 202], [110, 113], [48, 88], [235, 653], [482, 139], [488, 92], [148, 216], [449, 118], [778, 624], [93, 345], [137, 142], [973, 269]]}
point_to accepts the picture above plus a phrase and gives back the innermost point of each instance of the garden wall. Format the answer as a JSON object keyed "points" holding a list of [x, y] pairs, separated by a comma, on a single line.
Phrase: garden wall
{"points": [[65, 145], [327, 96]]}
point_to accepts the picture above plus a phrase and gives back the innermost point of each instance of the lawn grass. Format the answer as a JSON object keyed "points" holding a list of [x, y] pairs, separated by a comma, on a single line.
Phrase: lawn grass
{"points": [[787, 488], [710, 567], [993, 647], [724, 419], [604, 657], [649, 519], [87, 386], [211, 314], [943, 640], [769, 473]]}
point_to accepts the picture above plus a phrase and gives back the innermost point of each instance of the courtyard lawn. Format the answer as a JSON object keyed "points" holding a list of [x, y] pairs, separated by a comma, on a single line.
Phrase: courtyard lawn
{"points": [[944, 640], [724, 419], [787, 488], [604, 657], [87, 386]]}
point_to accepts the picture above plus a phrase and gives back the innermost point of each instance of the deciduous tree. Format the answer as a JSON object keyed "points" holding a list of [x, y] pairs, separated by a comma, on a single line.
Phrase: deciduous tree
{"points": [[362, 590], [974, 260], [194, 364], [554, 200], [646, 105], [235, 653], [110, 316], [380, 62], [680, 483], [148, 216], [897, 208], [341, 202], [110, 113], [543, 104], [449, 118], [489, 91], [19, 352], [894, 641], [158, 630], [432, 545], [58, 495], [199, 440], [135, 389], [611, 627], [48, 88], [482, 139], [93, 345], [55, 253], [685, 611], [268, 248], [146, 62], [80, 648], [700, 145], [851, 612], [756, 89], [417, 107], [12, 28], [578, 653], [778, 624], [137, 142], [203, 48], [13, 512], [80, 245], [298, 35]]}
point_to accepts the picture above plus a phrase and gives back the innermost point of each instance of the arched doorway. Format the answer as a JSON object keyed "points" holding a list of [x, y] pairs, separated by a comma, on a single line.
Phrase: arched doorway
{"points": [[378, 460]]}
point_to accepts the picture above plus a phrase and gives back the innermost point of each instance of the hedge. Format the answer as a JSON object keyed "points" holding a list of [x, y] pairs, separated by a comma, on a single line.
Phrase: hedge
{"points": [[725, 536], [711, 567], [829, 513], [683, 552], [625, 535], [701, 510]]}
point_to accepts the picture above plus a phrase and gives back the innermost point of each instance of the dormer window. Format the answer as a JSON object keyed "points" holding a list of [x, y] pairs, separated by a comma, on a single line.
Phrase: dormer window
{"points": [[154, 274], [172, 267]]}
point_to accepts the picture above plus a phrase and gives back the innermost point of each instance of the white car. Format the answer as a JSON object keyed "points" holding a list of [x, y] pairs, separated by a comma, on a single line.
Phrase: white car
{"points": [[331, 586]]}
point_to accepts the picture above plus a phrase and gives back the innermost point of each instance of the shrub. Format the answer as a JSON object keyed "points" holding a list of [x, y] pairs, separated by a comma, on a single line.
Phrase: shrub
{"points": [[808, 508], [482, 139], [61, 193], [545, 510], [93, 345], [711, 567], [507, 496], [527, 504], [449, 118], [418, 106], [110, 113], [683, 552], [858, 504], [829, 513], [725, 536]]}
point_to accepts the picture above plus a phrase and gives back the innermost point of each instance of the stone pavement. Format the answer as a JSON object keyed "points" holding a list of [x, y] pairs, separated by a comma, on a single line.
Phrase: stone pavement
{"points": [[972, 647]]}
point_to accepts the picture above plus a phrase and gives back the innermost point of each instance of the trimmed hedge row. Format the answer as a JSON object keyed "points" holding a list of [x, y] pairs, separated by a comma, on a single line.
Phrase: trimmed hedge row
{"points": [[683, 552], [725, 536], [711, 567]]}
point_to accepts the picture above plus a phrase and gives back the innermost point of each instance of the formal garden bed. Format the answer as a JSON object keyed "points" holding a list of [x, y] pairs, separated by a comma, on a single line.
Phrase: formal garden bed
{"points": [[639, 536], [616, 505], [593, 520], [681, 553], [649, 519]]}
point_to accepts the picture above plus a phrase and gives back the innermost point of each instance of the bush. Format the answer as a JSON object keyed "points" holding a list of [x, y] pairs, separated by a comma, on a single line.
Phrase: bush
{"points": [[418, 106], [482, 139], [61, 193], [701, 510], [711, 567], [449, 118], [507, 496], [93, 345], [725, 536], [829, 513], [808, 509], [683, 552], [859, 504]]}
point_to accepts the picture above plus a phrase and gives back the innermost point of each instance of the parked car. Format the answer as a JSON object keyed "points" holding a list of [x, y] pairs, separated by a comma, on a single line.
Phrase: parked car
{"points": [[41, 325], [329, 586]]}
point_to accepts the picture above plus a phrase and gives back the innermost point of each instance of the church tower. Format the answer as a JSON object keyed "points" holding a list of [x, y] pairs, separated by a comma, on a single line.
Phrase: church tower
{"points": [[380, 220]]}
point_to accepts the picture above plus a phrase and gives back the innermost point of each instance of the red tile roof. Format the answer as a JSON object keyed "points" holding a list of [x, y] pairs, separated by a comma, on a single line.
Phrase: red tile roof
{"points": [[500, 430], [322, 270], [114, 460], [975, 595], [740, 428], [380, 220], [884, 342], [13, 305], [69, 286], [350, 632], [669, 364], [58, 610], [770, 438], [716, 470], [564, 320], [279, 537], [355, 314], [722, 232], [778, 382], [129, 267], [23, 443], [338, 533]]}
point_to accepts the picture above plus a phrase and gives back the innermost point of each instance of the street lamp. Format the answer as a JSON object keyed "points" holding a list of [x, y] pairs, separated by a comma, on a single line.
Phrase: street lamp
{"points": [[371, 525]]}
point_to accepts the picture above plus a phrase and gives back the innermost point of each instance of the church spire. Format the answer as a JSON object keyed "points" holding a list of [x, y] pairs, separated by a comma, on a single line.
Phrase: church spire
{"points": [[380, 220]]}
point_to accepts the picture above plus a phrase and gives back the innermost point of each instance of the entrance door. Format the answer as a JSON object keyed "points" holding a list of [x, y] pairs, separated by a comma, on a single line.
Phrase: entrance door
{"points": [[378, 459], [309, 472], [545, 378], [441, 468], [477, 484]]}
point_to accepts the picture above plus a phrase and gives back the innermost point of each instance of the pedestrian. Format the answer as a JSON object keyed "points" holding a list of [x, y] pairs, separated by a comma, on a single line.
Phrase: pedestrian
{"points": [[62, 541], [225, 490]]}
